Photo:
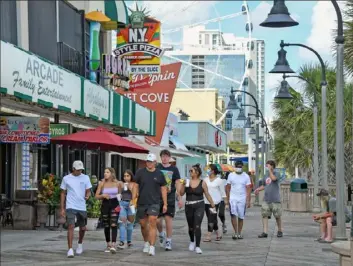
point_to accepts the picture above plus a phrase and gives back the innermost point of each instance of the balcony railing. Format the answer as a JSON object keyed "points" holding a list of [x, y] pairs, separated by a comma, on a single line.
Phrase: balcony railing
{"points": [[71, 59]]}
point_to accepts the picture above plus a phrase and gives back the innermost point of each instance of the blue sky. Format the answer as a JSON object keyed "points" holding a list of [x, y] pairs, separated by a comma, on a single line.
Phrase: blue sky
{"points": [[316, 22]]}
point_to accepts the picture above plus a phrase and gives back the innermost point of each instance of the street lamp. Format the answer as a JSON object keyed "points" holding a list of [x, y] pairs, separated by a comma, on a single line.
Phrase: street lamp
{"points": [[283, 92], [252, 131], [232, 105], [279, 16], [248, 123], [282, 22], [241, 115], [324, 164], [257, 127], [316, 207], [282, 65]]}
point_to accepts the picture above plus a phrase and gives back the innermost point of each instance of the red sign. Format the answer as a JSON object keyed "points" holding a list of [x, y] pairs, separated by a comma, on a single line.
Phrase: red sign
{"points": [[155, 91], [218, 138]]}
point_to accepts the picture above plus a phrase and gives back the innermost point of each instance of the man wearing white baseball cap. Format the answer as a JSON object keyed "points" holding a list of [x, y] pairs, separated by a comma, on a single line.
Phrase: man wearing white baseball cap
{"points": [[76, 189], [151, 185]]}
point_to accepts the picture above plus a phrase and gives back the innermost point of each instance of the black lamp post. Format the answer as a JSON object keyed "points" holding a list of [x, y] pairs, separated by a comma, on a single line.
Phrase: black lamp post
{"points": [[283, 92], [280, 20], [243, 117], [279, 16]]}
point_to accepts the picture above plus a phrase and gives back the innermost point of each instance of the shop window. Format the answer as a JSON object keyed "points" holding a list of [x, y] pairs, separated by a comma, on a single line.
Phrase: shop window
{"points": [[8, 21], [43, 29]]}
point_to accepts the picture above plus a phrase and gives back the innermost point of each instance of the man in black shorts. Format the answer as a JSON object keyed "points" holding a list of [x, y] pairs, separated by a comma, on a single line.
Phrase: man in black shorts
{"points": [[172, 176], [152, 189]]}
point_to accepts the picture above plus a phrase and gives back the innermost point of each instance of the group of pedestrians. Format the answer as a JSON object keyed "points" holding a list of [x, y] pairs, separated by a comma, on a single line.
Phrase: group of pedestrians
{"points": [[150, 198]]}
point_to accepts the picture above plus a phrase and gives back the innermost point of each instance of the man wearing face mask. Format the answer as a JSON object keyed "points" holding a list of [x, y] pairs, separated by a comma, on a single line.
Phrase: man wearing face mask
{"points": [[272, 200], [239, 195]]}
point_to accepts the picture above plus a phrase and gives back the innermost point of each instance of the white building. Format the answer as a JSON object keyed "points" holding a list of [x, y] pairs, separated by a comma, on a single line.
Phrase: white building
{"points": [[206, 53]]}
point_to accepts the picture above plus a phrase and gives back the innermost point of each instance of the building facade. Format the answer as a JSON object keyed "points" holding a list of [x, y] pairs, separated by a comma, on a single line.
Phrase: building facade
{"points": [[44, 45], [224, 54]]}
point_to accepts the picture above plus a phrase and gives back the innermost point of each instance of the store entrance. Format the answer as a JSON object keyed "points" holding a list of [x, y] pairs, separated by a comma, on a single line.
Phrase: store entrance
{"points": [[6, 165]]}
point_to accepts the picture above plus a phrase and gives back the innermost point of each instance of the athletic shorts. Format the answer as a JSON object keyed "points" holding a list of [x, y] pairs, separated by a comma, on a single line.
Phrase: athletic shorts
{"points": [[271, 208], [237, 208], [147, 210], [81, 217], [170, 211]]}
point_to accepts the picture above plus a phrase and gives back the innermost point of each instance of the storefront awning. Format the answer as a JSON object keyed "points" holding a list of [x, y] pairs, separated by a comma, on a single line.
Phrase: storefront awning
{"points": [[117, 12], [156, 150], [177, 143]]}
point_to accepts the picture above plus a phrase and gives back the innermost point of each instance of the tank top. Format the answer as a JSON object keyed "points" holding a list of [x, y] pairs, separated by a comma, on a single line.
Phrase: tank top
{"points": [[126, 195], [111, 191], [194, 194]]}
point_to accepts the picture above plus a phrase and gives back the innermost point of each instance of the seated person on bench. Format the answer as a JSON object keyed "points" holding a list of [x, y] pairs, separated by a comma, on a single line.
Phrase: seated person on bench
{"points": [[328, 219]]}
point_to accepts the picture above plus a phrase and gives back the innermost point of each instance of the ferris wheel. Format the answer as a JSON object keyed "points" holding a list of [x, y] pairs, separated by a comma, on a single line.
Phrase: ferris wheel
{"points": [[215, 73]]}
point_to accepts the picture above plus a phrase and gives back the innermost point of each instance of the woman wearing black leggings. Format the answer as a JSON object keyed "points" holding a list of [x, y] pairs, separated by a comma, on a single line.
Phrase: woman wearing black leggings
{"points": [[195, 205]]}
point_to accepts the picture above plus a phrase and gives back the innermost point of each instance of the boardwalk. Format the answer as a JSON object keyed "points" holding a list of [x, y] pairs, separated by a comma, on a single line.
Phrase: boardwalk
{"points": [[297, 247]]}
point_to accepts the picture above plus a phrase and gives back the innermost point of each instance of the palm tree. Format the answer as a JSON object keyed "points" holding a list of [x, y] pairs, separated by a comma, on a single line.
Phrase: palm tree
{"points": [[348, 34], [293, 124]]}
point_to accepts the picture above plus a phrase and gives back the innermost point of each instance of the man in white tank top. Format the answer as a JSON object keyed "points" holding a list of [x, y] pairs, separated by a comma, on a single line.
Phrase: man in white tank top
{"points": [[239, 194]]}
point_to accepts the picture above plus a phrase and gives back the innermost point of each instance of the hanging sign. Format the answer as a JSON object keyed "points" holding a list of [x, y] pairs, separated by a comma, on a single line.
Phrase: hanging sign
{"points": [[15, 129], [140, 43]]}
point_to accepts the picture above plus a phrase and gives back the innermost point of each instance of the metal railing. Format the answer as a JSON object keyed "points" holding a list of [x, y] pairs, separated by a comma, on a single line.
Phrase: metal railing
{"points": [[285, 189], [71, 59]]}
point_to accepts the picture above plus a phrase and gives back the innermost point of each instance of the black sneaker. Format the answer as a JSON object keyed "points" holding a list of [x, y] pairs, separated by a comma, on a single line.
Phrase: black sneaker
{"points": [[263, 235], [279, 234]]}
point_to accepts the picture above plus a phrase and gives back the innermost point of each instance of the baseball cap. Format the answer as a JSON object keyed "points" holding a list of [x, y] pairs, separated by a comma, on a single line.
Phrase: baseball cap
{"points": [[322, 192], [239, 163], [151, 157], [78, 165]]}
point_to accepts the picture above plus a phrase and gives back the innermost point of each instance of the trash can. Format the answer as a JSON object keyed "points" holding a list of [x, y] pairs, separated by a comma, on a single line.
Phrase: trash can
{"points": [[298, 195]]}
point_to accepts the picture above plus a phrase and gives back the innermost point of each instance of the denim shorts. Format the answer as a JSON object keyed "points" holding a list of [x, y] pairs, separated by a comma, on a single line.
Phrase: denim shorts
{"points": [[125, 210]]}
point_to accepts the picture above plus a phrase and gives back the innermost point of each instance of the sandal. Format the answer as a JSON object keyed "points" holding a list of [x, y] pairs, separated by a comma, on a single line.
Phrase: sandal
{"points": [[207, 239], [219, 236]]}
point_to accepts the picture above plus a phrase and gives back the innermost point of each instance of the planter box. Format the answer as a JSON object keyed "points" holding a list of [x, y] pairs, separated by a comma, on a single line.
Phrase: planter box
{"points": [[92, 224]]}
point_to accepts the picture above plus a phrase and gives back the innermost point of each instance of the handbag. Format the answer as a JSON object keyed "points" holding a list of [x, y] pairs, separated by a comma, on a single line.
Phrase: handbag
{"points": [[117, 209]]}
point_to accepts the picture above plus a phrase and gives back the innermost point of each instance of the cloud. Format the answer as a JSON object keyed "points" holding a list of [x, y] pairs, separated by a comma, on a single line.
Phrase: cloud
{"points": [[175, 14], [321, 37]]}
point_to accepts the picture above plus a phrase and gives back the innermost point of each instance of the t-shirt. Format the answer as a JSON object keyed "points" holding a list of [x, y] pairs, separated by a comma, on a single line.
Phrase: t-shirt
{"points": [[272, 189], [215, 189], [150, 184], [331, 207], [76, 187], [238, 183], [171, 174]]}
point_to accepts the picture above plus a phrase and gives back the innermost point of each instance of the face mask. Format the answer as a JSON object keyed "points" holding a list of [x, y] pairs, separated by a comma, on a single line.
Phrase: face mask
{"points": [[208, 172], [238, 170]]}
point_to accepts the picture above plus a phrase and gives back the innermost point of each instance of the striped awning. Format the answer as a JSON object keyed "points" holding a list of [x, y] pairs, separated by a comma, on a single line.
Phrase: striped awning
{"points": [[117, 12]]}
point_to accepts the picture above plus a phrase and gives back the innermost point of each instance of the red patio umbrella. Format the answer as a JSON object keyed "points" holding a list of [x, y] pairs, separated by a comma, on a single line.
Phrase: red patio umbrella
{"points": [[99, 139]]}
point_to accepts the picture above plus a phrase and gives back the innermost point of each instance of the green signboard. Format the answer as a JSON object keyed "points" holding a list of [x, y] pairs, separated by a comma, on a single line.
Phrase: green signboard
{"points": [[57, 130]]}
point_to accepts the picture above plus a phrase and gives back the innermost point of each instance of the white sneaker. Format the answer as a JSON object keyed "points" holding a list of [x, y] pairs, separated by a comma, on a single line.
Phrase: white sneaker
{"points": [[198, 250], [70, 253], [79, 249], [168, 245], [152, 251], [146, 247], [192, 246], [162, 239]]}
